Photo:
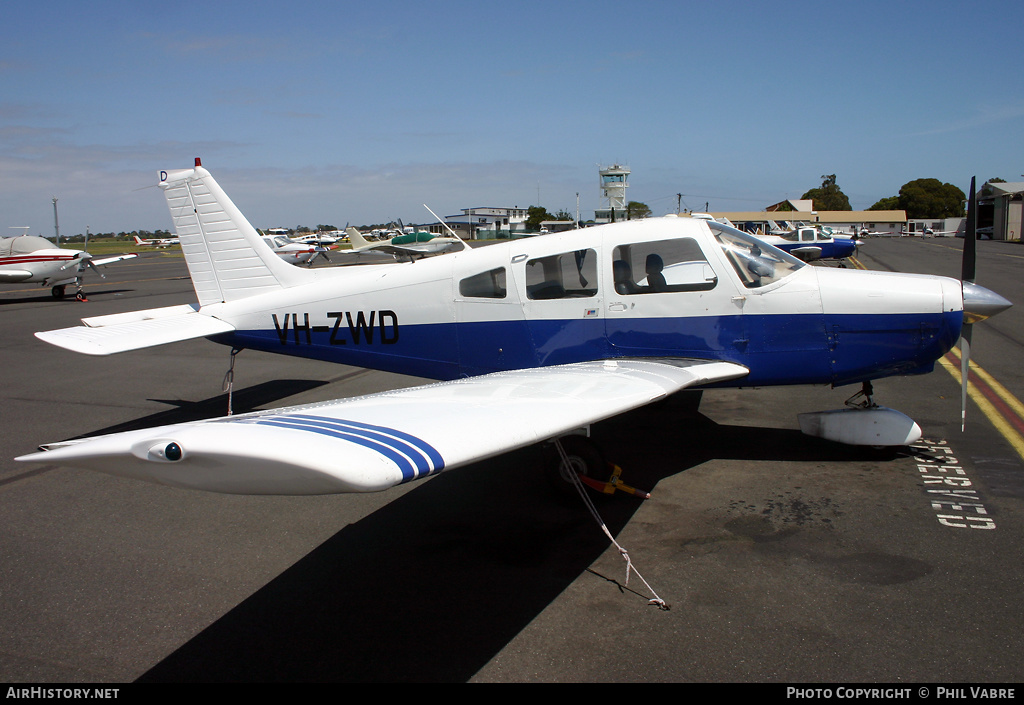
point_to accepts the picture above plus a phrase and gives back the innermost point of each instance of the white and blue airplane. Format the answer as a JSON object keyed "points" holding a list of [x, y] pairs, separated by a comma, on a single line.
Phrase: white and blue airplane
{"points": [[810, 243], [533, 339], [807, 242]]}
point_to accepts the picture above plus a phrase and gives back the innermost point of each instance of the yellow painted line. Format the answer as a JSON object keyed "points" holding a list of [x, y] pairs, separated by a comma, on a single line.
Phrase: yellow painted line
{"points": [[1004, 393], [991, 413], [856, 263]]}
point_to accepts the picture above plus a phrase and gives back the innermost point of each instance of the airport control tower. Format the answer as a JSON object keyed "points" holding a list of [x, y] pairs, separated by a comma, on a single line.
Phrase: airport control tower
{"points": [[613, 190]]}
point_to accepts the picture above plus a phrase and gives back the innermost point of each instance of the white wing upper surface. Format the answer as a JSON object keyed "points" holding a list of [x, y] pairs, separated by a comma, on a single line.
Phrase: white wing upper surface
{"points": [[120, 332], [374, 442]]}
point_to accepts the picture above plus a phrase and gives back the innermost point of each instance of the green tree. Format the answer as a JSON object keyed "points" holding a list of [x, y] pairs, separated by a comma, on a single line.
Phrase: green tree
{"points": [[635, 210], [930, 198], [535, 215], [890, 203], [829, 197]]}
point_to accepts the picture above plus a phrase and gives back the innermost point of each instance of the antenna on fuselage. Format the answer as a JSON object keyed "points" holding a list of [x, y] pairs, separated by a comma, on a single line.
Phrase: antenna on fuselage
{"points": [[454, 234]]}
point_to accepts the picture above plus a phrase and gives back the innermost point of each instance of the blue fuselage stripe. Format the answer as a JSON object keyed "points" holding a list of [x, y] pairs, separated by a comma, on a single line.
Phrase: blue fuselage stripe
{"points": [[812, 348]]}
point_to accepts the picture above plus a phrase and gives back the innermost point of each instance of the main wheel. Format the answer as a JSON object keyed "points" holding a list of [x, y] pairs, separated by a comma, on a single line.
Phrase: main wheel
{"points": [[57, 292], [584, 458]]}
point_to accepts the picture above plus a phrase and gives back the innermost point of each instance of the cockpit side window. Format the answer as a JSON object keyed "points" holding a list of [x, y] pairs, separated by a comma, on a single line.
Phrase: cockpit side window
{"points": [[563, 276], [661, 266], [757, 263], [486, 285]]}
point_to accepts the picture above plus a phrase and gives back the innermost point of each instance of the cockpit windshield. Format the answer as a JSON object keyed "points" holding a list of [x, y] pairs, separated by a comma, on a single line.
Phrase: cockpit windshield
{"points": [[757, 263]]}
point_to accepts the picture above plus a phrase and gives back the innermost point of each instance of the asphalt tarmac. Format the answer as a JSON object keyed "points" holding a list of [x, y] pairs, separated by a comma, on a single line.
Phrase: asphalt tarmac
{"points": [[783, 558]]}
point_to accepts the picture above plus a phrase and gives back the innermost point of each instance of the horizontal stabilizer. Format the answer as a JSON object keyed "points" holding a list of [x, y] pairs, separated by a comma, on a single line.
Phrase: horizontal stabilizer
{"points": [[374, 442], [120, 332]]}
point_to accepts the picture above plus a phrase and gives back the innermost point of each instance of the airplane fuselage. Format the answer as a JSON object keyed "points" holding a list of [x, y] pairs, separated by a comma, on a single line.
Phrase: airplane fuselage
{"points": [[563, 298], [50, 266]]}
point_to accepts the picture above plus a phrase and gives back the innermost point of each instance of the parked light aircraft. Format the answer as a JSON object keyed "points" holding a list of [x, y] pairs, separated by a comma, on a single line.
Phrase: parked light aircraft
{"points": [[810, 243], [31, 259], [156, 242], [928, 232], [533, 339], [316, 238], [405, 246], [294, 252]]}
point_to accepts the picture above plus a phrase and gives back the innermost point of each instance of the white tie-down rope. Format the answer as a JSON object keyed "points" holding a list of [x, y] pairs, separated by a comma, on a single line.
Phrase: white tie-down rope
{"points": [[582, 491], [229, 380]]}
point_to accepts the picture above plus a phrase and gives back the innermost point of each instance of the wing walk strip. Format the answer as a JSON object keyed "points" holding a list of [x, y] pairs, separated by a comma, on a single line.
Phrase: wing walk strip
{"points": [[415, 457], [1001, 407]]}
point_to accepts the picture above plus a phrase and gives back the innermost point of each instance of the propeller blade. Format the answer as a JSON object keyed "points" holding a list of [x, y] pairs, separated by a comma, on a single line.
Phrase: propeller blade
{"points": [[79, 259], [965, 363], [967, 272]]}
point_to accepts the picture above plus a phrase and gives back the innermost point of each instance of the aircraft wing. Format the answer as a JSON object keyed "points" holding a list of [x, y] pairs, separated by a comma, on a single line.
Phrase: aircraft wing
{"points": [[120, 332], [807, 254], [374, 442], [421, 251], [111, 260]]}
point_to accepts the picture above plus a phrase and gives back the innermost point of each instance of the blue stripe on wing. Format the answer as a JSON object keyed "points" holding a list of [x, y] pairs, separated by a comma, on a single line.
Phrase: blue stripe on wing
{"points": [[414, 457]]}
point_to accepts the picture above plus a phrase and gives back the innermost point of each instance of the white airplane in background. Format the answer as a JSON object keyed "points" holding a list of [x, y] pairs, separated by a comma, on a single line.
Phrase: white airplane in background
{"points": [[156, 242], [31, 259], [928, 232], [533, 339], [294, 252], [315, 238], [403, 246]]}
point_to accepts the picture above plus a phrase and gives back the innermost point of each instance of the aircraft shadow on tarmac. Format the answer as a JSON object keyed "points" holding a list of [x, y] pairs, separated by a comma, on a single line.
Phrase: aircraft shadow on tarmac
{"points": [[69, 298], [432, 586], [242, 401]]}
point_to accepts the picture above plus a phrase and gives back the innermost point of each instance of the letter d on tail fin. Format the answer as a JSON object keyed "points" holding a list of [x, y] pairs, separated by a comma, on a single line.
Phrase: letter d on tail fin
{"points": [[226, 257]]}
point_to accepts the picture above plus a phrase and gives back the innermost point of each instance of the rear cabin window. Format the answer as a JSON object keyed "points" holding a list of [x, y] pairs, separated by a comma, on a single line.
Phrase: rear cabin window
{"points": [[662, 266], [486, 285], [566, 276]]}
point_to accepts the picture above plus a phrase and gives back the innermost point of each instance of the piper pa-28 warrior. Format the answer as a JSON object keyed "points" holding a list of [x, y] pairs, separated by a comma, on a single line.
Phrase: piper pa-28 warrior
{"points": [[533, 339], [31, 259]]}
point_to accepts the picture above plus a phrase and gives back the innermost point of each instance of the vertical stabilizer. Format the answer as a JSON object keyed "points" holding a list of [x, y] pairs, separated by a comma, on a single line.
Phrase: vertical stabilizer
{"points": [[356, 238], [226, 257]]}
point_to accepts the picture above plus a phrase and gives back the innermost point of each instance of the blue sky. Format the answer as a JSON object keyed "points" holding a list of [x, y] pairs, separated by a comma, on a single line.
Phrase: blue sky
{"points": [[357, 113]]}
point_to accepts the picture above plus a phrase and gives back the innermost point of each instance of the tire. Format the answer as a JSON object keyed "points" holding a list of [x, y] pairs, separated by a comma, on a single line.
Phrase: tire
{"points": [[584, 457]]}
